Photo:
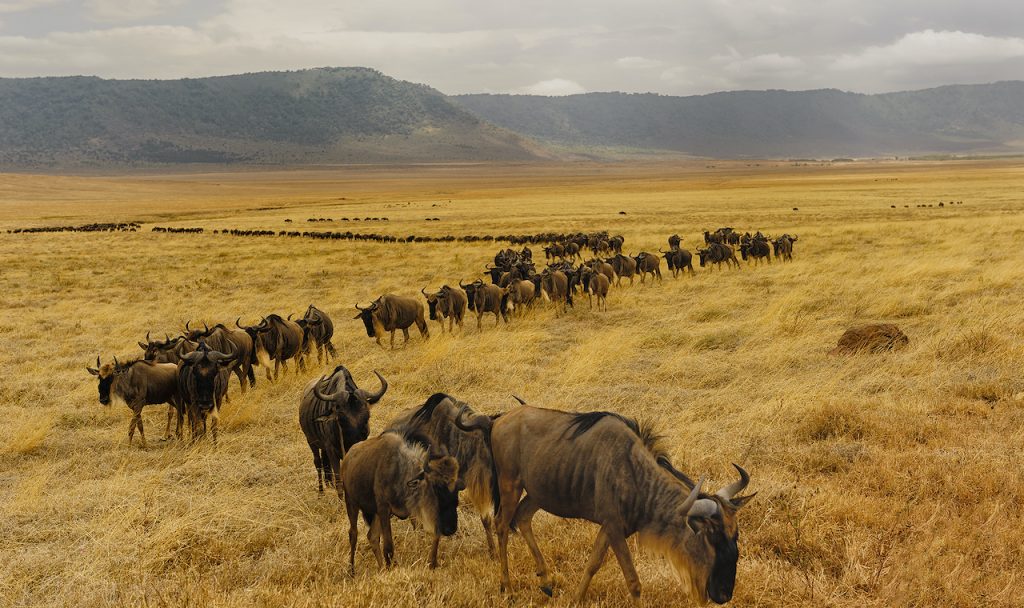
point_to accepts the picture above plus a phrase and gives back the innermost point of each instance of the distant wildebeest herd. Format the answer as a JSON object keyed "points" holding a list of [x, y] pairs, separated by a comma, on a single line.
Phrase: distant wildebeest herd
{"points": [[100, 227], [596, 466]]}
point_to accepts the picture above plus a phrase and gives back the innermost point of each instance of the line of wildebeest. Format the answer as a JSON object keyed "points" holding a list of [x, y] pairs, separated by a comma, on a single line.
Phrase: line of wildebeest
{"points": [[597, 466]]}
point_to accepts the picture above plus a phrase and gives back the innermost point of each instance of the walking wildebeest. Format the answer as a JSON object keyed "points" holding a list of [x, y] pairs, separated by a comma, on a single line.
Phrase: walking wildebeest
{"points": [[673, 241], [556, 284], [678, 260], [399, 473], [486, 299], [202, 383], [446, 303], [599, 265], [334, 415], [648, 263], [522, 295], [224, 339], [598, 287], [435, 419], [137, 384], [716, 253], [389, 313], [277, 339], [756, 248], [624, 266], [606, 469], [784, 247], [320, 332]]}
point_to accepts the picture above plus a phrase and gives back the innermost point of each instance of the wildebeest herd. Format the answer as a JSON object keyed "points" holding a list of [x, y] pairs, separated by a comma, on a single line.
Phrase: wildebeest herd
{"points": [[597, 466]]}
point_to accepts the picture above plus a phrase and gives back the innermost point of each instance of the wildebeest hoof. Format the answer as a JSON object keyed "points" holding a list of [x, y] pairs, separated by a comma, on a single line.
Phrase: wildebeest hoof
{"points": [[547, 590]]}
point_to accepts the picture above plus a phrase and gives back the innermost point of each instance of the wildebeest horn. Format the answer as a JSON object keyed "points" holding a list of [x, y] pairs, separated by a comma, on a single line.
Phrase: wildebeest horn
{"points": [[521, 402], [735, 487], [374, 398], [116, 364], [691, 500], [239, 324], [478, 423], [147, 336], [218, 357], [461, 285], [423, 290], [290, 315], [167, 338], [186, 325], [361, 309], [97, 361], [206, 328], [332, 396]]}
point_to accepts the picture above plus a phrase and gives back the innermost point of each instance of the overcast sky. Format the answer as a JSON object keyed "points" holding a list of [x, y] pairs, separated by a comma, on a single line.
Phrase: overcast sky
{"points": [[552, 47]]}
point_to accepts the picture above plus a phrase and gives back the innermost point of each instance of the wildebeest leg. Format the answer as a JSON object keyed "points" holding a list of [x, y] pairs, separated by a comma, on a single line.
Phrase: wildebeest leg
{"points": [[142, 430], [353, 532], [405, 335], [658, 272], [479, 319], [240, 373], [374, 537], [384, 517], [593, 565], [170, 412], [511, 491], [319, 464], [330, 349], [284, 368], [433, 551], [251, 374], [524, 520], [131, 427], [621, 550], [488, 522], [214, 423]]}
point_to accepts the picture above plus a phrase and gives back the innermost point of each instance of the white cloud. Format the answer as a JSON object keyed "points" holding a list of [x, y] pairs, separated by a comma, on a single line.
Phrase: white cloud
{"points": [[554, 87], [769, 62], [17, 6], [118, 11], [934, 48], [638, 63]]}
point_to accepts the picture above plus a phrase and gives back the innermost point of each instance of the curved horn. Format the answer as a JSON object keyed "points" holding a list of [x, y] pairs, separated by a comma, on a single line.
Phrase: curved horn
{"points": [[97, 361], [423, 290], [147, 336], [331, 397], [167, 338], [218, 357], [517, 398], [477, 423], [239, 325], [290, 315], [374, 398], [116, 364], [186, 325], [460, 283], [361, 309], [735, 487], [192, 356], [687, 506]]}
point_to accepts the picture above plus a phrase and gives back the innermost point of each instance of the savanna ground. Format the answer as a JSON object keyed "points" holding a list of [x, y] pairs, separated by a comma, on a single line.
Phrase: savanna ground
{"points": [[882, 480]]}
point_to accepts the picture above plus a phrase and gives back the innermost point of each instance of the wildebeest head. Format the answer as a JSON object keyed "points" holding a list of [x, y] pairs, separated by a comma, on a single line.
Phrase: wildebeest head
{"points": [[366, 314], [195, 334], [431, 302], [703, 254], [154, 348], [201, 368], [471, 290], [706, 550], [439, 478], [106, 372]]}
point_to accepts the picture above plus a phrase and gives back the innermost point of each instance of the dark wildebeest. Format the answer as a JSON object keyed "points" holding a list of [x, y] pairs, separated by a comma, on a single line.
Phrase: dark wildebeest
{"points": [[678, 260], [224, 339], [615, 243], [556, 284], [435, 419], [784, 247], [606, 469], [334, 415], [572, 251], [202, 382], [399, 473], [554, 251], [486, 299], [320, 332], [624, 266], [648, 263], [756, 248], [169, 350], [716, 253], [446, 303], [277, 339], [390, 313], [137, 384], [673, 241]]}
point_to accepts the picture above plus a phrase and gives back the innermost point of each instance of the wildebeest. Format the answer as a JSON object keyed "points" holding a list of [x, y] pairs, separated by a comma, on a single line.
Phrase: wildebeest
{"points": [[673, 241], [615, 243], [678, 260], [556, 284], [202, 384], [784, 247], [598, 287], [389, 313], [624, 266], [225, 339], [277, 339], [139, 383], [399, 473], [606, 469], [756, 248], [522, 295], [486, 299], [334, 415], [599, 265], [320, 332], [648, 263], [446, 303], [435, 419], [716, 253]]}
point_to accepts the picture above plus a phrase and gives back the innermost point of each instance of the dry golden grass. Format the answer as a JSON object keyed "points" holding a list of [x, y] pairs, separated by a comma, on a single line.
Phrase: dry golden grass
{"points": [[882, 480]]}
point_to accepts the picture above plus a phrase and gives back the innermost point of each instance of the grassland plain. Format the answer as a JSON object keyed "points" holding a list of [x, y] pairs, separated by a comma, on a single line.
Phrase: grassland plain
{"points": [[882, 480]]}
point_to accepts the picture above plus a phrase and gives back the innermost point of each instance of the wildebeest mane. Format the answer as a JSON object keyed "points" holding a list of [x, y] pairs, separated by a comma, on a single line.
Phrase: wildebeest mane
{"points": [[426, 411], [584, 421]]}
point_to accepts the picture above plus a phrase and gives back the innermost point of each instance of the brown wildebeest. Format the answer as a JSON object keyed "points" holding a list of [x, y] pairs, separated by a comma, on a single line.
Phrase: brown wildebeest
{"points": [[391, 313], [716, 253], [598, 286], [757, 249], [624, 266], [446, 303], [435, 419], [168, 350], [137, 384], [648, 263], [334, 415], [224, 339], [522, 295], [320, 332], [572, 251], [678, 260], [486, 299], [399, 473], [784, 247], [202, 382], [599, 265], [277, 339], [673, 241], [615, 243], [604, 468], [556, 284]]}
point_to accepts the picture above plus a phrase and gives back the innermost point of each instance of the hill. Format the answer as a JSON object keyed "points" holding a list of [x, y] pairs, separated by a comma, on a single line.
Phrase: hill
{"points": [[822, 123], [330, 115]]}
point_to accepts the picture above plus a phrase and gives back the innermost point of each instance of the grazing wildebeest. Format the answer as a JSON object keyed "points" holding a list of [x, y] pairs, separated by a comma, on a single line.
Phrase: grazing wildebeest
{"points": [[137, 384], [435, 419], [334, 415], [224, 339], [277, 339], [320, 332], [556, 284], [598, 287], [202, 382], [399, 473], [678, 260], [784, 247], [446, 303], [606, 469], [648, 263], [391, 313], [624, 266], [486, 299], [716, 253]]}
